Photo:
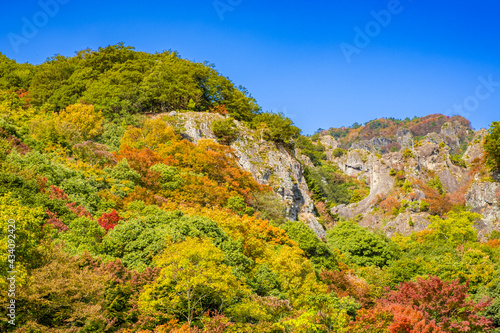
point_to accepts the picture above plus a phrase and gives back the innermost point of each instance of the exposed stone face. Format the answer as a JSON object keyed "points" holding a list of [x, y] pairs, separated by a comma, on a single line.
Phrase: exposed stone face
{"points": [[276, 166], [404, 137], [406, 223], [197, 125], [269, 163], [374, 170], [475, 148], [483, 198], [303, 158], [354, 162], [451, 133], [430, 158], [372, 145], [329, 142], [330, 145], [449, 182]]}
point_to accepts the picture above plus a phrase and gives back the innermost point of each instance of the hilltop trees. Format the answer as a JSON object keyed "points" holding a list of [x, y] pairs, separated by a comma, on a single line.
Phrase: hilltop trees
{"points": [[117, 80], [279, 127]]}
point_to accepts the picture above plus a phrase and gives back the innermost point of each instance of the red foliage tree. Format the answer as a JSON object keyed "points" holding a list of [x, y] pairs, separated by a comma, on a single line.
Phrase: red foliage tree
{"points": [[444, 302], [55, 221], [407, 319], [57, 193], [220, 109], [109, 221], [79, 210], [141, 160], [440, 204]]}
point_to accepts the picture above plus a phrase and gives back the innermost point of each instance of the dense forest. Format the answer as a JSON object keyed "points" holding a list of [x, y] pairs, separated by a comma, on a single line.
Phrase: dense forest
{"points": [[123, 224]]}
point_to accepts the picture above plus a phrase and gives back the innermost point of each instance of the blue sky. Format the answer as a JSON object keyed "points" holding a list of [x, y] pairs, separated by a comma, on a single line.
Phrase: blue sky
{"points": [[322, 63]]}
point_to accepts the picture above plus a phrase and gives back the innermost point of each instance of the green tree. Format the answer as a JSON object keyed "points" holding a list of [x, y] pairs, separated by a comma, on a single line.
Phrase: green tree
{"points": [[21, 231], [492, 145], [456, 228], [317, 251], [280, 128], [316, 152], [364, 247], [170, 178]]}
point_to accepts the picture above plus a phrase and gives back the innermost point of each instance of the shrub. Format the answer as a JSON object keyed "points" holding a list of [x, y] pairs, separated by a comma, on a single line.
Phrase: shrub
{"points": [[458, 161], [436, 184], [424, 206], [407, 153], [394, 149], [237, 204], [269, 206], [316, 152], [338, 152], [389, 204], [225, 130], [400, 178], [358, 195]]}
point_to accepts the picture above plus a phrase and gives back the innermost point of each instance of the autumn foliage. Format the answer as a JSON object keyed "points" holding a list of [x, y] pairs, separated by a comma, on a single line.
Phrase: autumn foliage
{"points": [[345, 283], [115, 222], [110, 220], [447, 304]]}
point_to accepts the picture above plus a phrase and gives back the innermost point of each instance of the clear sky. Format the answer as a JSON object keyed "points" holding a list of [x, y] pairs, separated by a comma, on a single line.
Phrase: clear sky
{"points": [[322, 63]]}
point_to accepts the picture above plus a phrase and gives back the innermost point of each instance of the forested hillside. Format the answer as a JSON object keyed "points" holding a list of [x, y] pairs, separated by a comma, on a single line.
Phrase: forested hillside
{"points": [[147, 193]]}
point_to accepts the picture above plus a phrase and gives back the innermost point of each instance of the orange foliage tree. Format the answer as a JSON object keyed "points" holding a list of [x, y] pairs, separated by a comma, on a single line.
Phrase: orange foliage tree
{"points": [[440, 204], [393, 318], [389, 204]]}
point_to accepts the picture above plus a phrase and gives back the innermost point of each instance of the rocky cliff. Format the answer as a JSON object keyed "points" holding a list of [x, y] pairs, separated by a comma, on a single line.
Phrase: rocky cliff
{"points": [[419, 163], [269, 163], [413, 163]]}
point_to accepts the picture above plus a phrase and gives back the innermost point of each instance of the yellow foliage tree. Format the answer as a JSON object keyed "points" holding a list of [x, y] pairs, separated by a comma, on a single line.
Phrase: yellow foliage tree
{"points": [[20, 233], [296, 276], [85, 118], [151, 135], [193, 280]]}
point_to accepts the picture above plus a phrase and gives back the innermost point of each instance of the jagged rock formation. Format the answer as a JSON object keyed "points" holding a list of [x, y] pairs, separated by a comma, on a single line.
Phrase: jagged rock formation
{"points": [[430, 157], [282, 169], [404, 138], [269, 163], [483, 198], [373, 144]]}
